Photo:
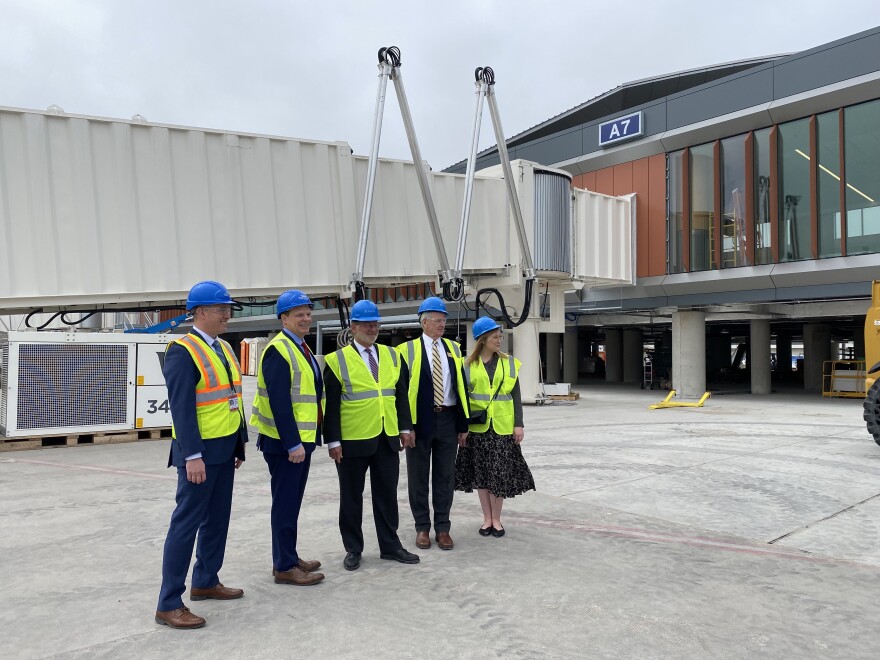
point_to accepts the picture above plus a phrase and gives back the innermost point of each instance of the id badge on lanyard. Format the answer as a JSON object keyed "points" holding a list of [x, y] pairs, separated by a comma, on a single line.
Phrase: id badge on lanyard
{"points": [[233, 402]]}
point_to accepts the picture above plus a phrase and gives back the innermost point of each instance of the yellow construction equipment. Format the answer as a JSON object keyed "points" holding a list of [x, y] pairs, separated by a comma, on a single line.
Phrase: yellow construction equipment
{"points": [[669, 403], [871, 413]]}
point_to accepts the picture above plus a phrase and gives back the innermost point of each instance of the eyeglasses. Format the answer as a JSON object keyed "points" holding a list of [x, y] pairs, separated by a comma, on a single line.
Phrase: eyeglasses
{"points": [[222, 310], [440, 321]]}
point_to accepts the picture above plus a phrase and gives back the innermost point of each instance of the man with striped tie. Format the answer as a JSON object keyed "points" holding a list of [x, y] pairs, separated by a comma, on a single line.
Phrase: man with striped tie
{"points": [[366, 419], [438, 406]]}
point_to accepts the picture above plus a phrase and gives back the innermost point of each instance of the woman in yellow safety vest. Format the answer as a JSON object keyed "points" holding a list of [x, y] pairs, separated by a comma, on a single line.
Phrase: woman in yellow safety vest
{"points": [[490, 459]]}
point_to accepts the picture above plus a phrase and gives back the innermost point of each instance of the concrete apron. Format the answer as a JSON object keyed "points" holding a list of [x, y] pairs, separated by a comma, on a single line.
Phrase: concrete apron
{"points": [[649, 536]]}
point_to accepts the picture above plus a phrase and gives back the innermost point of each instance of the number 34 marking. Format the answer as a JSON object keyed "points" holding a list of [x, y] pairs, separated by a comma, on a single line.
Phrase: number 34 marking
{"points": [[153, 408]]}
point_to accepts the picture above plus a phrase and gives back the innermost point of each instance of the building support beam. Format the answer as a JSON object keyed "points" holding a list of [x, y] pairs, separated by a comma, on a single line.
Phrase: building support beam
{"points": [[817, 349], [613, 355], [633, 355], [689, 354], [759, 355]]}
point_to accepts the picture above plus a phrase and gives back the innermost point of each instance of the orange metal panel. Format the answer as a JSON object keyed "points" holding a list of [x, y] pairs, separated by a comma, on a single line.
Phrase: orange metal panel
{"points": [[623, 179], [641, 187], [656, 215], [605, 181], [588, 181]]}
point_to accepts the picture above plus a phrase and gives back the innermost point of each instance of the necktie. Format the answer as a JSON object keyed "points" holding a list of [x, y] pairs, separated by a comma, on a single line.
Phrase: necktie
{"points": [[374, 366], [219, 352], [308, 353], [437, 375]]}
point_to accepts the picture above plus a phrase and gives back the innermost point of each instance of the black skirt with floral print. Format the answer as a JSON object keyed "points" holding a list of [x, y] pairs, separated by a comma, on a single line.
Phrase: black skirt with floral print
{"points": [[494, 462]]}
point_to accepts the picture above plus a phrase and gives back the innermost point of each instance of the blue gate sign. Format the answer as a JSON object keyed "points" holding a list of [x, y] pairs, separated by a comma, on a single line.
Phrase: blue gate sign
{"points": [[622, 128]]}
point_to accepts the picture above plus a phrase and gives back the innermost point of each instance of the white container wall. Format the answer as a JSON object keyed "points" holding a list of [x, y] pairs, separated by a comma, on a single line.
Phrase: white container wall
{"points": [[604, 246], [98, 211]]}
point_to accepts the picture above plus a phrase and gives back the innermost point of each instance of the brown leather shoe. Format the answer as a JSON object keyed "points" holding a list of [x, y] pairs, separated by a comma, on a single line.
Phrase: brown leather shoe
{"points": [[423, 540], [217, 592], [309, 565], [444, 541], [298, 576], [180, 618]]}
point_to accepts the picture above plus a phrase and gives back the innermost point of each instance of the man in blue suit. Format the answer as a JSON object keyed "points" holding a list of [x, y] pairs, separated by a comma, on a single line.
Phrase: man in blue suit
{"points": [[287, 412], [204, 392]]}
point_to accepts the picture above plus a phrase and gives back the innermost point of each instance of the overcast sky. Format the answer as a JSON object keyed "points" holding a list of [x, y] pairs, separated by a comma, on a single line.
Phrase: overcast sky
{"points": [[308, 69]]}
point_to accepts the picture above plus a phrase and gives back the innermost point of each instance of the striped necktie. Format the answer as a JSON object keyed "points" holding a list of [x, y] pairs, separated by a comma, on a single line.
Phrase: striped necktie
{"points": [[437, 375], [374, 366]]}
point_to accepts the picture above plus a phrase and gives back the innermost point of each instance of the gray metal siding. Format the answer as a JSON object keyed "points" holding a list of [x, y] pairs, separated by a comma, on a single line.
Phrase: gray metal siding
{"points": [[552, 222], [835, 63], [742, 91]]}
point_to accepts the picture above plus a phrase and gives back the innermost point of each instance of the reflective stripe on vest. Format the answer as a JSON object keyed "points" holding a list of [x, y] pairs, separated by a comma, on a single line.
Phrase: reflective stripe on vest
{"points": [[412, 352], [500, 413], [367, 408], [303, 394], [214, 389]]}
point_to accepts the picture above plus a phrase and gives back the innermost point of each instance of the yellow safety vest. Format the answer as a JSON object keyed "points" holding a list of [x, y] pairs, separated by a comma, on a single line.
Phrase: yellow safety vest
{"points": [[214, 390], [303, 395], [412, 353], [500, 409], [367, 407]]}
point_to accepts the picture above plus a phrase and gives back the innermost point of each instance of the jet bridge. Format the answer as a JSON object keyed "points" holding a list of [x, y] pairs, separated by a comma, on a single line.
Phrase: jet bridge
{"points": [[109, 214]]}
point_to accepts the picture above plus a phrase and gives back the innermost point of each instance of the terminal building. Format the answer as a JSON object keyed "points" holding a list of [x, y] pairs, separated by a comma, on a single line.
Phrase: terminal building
{"points": [[757, 188]]}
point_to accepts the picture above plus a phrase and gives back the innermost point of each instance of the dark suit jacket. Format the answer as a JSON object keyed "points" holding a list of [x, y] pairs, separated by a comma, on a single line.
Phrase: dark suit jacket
{"points": [[332, 427], [181, 377], [425, 401]]}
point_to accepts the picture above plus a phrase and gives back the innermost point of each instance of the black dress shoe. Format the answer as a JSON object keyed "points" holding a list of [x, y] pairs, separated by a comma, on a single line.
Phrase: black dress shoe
{"points": [[485, 531], [497, 533], [352, 561], [402, 556]]}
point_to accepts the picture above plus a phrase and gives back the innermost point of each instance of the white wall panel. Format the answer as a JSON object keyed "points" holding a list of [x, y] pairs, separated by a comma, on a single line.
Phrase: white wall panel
{"points": [[98, 211], [604, 239]]}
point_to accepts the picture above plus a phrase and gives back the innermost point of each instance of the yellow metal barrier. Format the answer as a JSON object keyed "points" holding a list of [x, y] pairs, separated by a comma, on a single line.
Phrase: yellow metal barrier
{"points": [[843, 378], [669, 403]]}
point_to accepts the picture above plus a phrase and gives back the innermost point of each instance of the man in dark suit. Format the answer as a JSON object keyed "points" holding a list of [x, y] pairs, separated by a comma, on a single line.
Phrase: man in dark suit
{"points": [[287, 413], [438, 402], [204, 392], [366, 419]]}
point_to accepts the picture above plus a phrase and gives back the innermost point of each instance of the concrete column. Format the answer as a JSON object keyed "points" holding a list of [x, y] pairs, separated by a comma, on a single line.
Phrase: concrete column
{"points": [[554, 366], [817, 349], [613, 355], [525, 349], [759, 355], [783, 355], [570, 356], [689, 354], [859, 344], [633, 355]]}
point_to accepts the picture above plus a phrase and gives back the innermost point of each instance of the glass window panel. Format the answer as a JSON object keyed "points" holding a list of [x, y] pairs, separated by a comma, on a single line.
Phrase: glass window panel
{"points": [[763, 237], [733, 200], [794, 198], [675, 221], [861, 127], [702, 191], [828, 176]]}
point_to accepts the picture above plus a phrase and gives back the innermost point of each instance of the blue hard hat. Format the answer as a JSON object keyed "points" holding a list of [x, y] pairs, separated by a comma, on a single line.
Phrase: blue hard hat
{"points": [[433, 304], [290, 299], [364, 310], [208, 292], [483, 325]]}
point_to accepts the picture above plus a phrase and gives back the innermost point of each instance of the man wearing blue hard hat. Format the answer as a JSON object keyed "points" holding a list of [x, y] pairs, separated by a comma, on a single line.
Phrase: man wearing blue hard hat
{"points": [[208, 435], [366, 425], [438, 405], [287, 413]]}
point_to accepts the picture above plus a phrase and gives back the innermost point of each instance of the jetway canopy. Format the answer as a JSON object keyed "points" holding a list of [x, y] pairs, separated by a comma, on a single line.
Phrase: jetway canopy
{"points": [[107, 213]]}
